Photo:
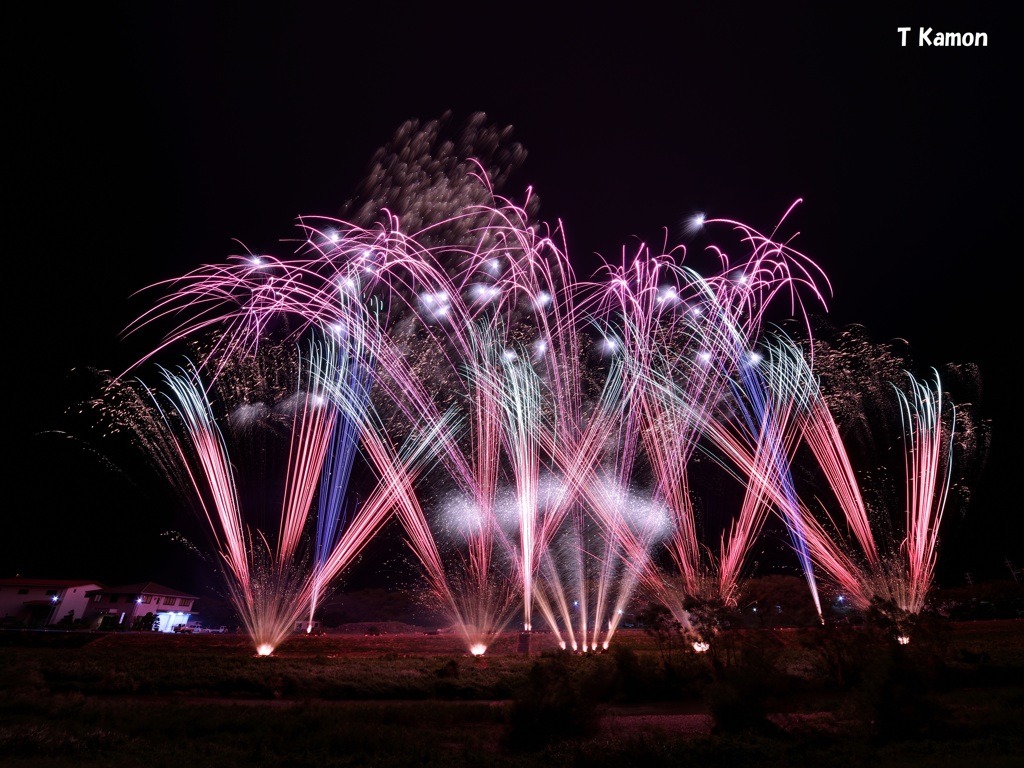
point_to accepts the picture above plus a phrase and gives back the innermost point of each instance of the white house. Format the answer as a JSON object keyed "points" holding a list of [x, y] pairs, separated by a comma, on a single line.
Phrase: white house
{"points": [[42, 602], [125, 606]]}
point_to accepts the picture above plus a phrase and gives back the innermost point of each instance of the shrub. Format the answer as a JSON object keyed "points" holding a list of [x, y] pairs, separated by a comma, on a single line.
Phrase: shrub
{"points": [[836, 653], [738, 697], [892, 699], [557, 703]]}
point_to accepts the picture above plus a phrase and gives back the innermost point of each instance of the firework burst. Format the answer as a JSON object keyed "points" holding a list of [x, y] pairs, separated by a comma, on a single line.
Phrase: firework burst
{"points": [[537, 436]]}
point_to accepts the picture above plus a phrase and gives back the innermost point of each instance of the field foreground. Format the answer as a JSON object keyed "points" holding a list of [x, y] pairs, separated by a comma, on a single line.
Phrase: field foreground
{"points": [[839, 697]]}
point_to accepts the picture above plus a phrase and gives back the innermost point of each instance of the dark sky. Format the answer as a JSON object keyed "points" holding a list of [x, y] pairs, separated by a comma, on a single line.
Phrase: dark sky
{"points": [[144, 139]]}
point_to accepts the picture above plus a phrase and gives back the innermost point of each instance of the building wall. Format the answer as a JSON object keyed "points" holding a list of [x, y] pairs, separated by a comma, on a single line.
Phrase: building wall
{"points": [[120, 611], [14, 597], [73, 599]]}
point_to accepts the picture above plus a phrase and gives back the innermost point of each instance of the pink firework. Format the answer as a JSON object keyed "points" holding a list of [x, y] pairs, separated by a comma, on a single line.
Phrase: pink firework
{"points": [[537, 436], [847, 547]]}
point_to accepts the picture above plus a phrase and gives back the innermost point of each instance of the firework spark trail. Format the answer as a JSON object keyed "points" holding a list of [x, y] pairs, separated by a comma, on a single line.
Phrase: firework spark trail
{"points": [[759, 445], [471, 344], [473, 467], [793, 374], [522, 425], [476, 597], [792, 385], [767, 273], [552, 595], [239, 299], [652, 298], [253, 295], [596, 545], [861, 571], [352, 383], [821, 434], [629, 307], [574, 445], [634, 524], [777, 443], [677, 397], [345, 375], [448, 306], [660, 306], [205, 440], [701, 576], [689, 340], [565, 508], [484, 285], [572, 441], [348, 264], [928, 473], [478, 600], [267, 580], [771, 269], [312, 428], [252, 577], [575, 504], [332, 499], [398, 469], [518, 266], [482, 533], [623, 521], [258, 576], [339, 263], [625, 527]]}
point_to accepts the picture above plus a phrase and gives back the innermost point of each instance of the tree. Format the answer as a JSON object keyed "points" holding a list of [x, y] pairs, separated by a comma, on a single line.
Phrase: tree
{"points": [[147, 623]]}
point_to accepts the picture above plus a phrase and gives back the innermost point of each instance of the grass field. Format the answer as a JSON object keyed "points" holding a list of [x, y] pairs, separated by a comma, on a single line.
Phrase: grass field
{"points": [[839, 697]]}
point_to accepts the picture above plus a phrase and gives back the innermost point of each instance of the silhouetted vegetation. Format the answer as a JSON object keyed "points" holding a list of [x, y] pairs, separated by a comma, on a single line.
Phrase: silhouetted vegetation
{"points": [[558, 702], [834, 695]]}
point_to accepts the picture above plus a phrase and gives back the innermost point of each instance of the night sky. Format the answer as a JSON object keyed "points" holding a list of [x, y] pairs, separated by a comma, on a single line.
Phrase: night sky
{"points": [[146, 140]]}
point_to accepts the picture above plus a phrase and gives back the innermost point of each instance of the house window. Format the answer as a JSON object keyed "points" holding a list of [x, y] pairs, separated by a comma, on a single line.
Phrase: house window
{"points": [[113, 598], [147, 598], [185, 602], [97, 598], [51, 593], [169, 601], [22, 591]]}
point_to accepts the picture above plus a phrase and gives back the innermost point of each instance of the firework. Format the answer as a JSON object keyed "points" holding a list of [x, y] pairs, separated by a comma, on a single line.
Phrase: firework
{"points": [[537, 436], [901, 575]]}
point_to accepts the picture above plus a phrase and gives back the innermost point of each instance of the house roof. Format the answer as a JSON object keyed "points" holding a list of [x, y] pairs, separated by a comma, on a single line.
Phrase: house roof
{"points": [[21, 581], [143, 588]]}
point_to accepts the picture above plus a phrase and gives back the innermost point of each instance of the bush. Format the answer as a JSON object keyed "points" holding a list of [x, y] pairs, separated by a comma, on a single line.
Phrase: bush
{"points": [[664, 630], [893, 697], [737, 699], [837, 653], [893, 694], [558, 703]]}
